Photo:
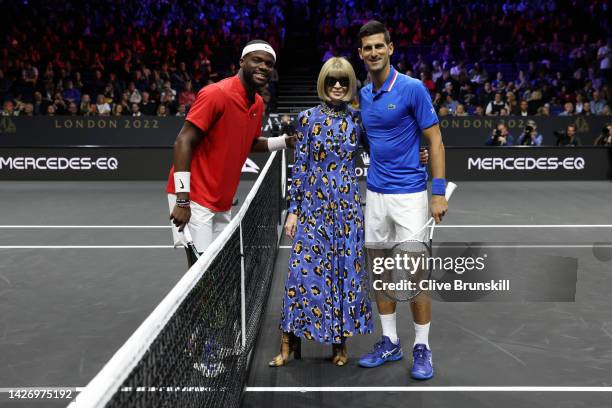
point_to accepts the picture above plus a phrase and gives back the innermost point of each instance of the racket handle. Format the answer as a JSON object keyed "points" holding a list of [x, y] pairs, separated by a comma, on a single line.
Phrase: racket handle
{"points": [[450, 187], [187, 235]]}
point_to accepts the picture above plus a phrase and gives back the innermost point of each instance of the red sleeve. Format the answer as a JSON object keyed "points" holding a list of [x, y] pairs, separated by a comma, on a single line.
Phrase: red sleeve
{"points": [[207, 108]]}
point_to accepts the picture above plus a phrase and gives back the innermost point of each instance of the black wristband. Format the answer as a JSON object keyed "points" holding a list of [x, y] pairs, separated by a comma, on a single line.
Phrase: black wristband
{"points": [[183, 203]]}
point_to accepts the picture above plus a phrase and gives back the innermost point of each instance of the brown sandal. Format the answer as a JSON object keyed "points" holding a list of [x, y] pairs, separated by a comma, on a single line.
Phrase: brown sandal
{"points": [[290, 344], [339, 354]]}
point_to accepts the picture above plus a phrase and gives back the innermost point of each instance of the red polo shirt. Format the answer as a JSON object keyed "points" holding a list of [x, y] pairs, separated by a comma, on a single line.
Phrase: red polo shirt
{"points": [[230, 124]]}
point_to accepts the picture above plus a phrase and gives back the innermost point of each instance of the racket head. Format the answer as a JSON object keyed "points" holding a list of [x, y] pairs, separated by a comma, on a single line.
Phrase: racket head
{"points": [[403, 281]]}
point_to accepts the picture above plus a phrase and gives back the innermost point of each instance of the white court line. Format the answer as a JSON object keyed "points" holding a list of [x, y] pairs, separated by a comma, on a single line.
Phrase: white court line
{"points": [[527, 226], [86, 226], [428, 389], [526, 246], [85, 246], [29, 387], [437, 226], [380, 389], [507, 246]]}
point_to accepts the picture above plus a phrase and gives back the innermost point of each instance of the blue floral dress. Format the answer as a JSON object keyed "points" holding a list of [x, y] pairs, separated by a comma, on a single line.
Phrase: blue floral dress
{"points": [[326, 297]]}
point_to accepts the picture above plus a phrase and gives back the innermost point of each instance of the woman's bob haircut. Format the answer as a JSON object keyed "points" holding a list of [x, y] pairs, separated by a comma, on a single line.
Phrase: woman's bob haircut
{"points": [[337, 67]]}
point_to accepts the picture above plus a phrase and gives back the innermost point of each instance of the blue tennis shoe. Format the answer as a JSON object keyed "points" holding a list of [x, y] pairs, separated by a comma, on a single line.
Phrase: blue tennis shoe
{"points": [[422, 368], [382, 352]]}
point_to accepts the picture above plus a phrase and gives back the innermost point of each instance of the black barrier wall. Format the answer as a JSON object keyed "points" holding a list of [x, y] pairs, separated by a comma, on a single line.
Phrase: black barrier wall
{"points": [[492, 164], [159, 132], [99, 164], [474, 131]]}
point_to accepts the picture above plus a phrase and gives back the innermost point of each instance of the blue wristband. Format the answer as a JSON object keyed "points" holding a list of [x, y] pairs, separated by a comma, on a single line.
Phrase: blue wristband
{"points": [[438, 186]]}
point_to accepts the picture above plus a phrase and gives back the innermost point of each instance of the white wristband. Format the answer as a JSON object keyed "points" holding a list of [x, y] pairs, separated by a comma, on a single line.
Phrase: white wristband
{"points": [[277, 143], [181, 181]]}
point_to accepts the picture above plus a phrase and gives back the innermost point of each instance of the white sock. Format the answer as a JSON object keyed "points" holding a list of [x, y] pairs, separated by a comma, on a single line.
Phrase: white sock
{"points": [[421, 334], [388, 327]]}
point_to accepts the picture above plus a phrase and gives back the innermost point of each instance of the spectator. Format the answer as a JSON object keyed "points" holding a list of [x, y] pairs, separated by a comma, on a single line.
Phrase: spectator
{"points": [[8, 109], [167, 93], [118, 110], [530, 135], [569, 137], [5, 85], [500, 136], [73, 110], [136, 110], [479, 111], [162, 110], [71, 94], [51, 110], [85, 107], [134, 96], [427, 81], [28, 110], [597, 103], [512, 103], [187, 96], [102, 107], [579, 104], [486, 94], [460, 111], [604, 56], [543, 111], [586, 109], [59, 104], [443, 111], [605, 138], [39, 105], [568, 109], [147, 107], [181, 111], [523, 108], [496, 105], [451, 103]]}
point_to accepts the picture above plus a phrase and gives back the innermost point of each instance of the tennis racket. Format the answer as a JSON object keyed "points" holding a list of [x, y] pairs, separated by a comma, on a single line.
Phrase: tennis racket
{"points": [[412, 261]]}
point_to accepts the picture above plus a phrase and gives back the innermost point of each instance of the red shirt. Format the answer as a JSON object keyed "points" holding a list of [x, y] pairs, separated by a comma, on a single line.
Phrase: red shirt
{"points": [[230, 124]]}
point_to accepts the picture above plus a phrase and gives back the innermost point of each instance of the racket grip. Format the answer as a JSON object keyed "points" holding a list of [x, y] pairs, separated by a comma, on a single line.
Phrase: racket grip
{"points": [[450, 187], [187, 235]]}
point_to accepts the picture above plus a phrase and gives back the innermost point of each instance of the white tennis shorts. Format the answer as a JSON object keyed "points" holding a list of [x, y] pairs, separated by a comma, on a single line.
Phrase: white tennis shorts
{"points": [[204, 225], [394, 217]]}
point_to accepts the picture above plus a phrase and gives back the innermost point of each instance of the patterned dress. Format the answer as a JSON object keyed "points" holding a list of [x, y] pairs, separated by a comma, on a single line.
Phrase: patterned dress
{"points": [[326, 296]]}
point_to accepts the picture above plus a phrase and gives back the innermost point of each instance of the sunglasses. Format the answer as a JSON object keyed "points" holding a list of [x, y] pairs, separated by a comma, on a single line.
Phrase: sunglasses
{"points": [[331, 81]]}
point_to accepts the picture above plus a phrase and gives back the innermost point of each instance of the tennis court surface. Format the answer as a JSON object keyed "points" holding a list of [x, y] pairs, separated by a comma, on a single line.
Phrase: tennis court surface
{"points": [[66, 310]]}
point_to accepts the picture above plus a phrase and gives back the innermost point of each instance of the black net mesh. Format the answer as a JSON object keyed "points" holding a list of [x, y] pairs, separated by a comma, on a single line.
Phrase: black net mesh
{"points": [[198, 359]]}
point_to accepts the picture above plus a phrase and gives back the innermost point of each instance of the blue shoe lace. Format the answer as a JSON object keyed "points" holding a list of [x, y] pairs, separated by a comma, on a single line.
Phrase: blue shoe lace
{"points": [[377, 346], [420, 355]]}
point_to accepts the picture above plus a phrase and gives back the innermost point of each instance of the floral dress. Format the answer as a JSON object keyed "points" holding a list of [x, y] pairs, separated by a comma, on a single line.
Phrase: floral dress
{"points": [[326, 296]]}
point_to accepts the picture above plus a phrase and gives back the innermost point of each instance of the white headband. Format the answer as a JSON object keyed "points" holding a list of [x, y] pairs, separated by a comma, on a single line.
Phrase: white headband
{"points": [[258, 47]]}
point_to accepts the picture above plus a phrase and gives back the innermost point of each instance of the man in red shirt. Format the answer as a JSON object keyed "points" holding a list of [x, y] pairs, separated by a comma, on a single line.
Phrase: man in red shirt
{"points": [[222, 127]]}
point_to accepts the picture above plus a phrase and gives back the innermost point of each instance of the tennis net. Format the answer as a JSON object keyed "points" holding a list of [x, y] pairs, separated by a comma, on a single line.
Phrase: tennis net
{"points": [[193, 350]]}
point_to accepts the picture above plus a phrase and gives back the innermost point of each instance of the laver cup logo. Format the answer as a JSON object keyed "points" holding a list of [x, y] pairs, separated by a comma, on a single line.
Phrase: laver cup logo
{"points": [[59, 163], [526, 163]]}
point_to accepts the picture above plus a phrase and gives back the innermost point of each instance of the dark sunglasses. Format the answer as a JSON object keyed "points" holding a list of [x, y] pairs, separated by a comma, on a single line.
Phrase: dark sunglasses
{"points": [[331, 81]]}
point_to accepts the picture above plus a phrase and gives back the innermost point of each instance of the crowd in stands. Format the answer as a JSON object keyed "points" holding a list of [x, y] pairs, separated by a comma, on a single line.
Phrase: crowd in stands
{"points": [[150, 57], [125, 57], [518, 57]]}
